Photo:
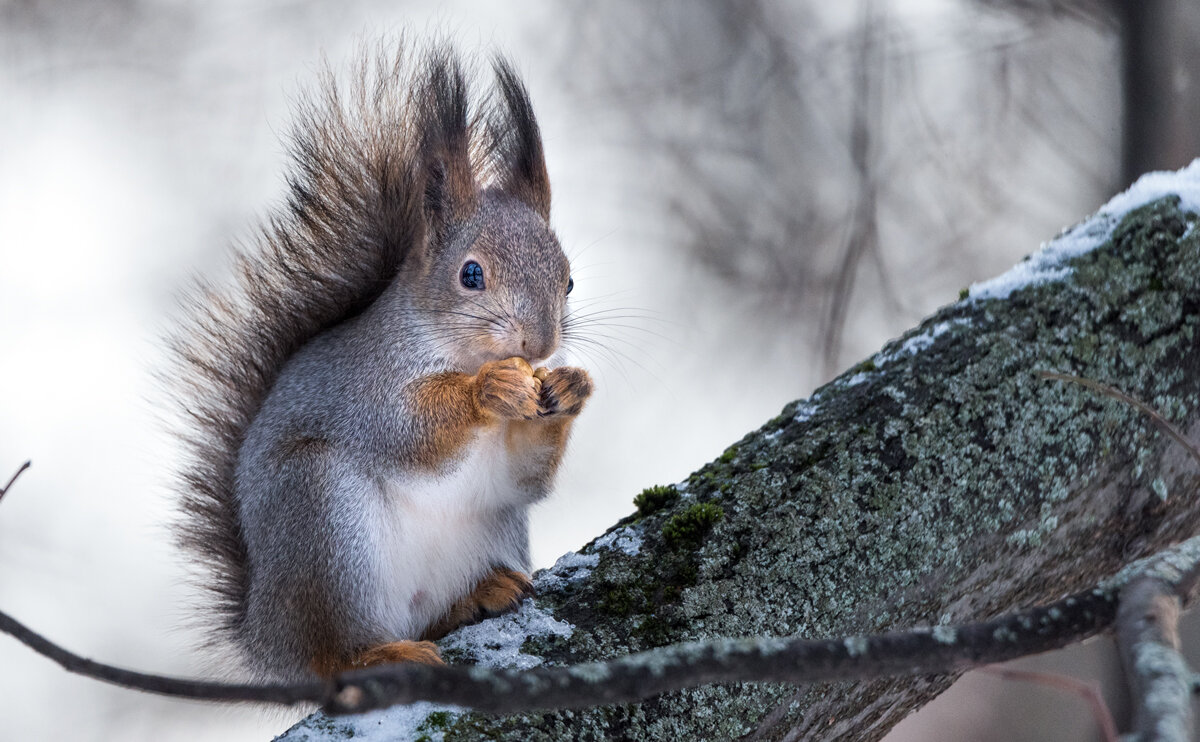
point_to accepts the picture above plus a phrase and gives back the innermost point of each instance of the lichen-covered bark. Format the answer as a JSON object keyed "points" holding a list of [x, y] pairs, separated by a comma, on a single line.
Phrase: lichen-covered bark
{"points": [[941, 484]]}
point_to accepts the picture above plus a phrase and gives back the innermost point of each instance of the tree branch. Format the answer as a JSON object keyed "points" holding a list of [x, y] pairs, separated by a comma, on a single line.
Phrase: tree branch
{"points": [[1159, 678], [1143, 599], [645, 674]]}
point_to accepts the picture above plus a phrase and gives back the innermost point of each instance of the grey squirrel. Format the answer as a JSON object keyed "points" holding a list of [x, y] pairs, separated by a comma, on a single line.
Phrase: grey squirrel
{"points": [[373, 405]]}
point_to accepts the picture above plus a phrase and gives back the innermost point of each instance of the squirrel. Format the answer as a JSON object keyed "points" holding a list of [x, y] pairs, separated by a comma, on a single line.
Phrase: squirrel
{"points": [[373, 404]]}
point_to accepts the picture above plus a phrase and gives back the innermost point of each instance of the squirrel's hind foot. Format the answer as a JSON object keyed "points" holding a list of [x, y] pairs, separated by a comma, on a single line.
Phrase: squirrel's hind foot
{"points": [[500, 592], [423, 652]]}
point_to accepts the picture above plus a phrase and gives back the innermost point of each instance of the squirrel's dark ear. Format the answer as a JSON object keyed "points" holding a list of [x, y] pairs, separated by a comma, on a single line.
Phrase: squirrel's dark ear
{"points": [[518, 162], [450, 190]]}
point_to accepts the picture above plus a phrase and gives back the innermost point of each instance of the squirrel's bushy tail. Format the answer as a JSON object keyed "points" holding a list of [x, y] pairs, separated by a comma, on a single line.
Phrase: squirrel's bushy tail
{"points": [[354, 209]]}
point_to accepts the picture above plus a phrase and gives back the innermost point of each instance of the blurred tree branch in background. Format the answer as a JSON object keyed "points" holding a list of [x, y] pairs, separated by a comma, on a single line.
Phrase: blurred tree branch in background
{"points": [[1159, 67], [792, 141]]}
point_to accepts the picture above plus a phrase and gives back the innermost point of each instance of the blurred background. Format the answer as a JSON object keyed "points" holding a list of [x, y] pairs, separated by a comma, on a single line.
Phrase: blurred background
{"points": [[760, 194]]}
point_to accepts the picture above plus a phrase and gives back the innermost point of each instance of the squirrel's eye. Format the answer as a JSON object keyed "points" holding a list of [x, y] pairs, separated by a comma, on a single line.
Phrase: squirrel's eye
{"points": [[472, 275], [570, 284]]}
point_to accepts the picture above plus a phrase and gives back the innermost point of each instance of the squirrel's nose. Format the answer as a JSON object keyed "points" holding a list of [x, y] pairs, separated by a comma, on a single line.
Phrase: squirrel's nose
{"points": [[536, 346]]}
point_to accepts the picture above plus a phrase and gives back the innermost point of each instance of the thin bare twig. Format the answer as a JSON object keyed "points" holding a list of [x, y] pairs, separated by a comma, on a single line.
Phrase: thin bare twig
{"points": [[1155, 417], [4, 490], [314, 692], [1087, 691], [638, 676]]}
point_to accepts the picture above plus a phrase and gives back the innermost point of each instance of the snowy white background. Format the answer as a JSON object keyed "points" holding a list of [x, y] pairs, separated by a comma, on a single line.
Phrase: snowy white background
{"points": [[136, 141]]}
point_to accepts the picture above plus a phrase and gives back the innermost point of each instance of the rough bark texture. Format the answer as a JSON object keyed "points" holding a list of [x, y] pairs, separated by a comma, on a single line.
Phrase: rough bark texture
{"points": [[941, 481]]}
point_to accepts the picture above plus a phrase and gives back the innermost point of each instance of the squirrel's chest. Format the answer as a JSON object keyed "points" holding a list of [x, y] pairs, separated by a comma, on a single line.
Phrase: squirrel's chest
{"points": [[479, 477], [439, 533]]}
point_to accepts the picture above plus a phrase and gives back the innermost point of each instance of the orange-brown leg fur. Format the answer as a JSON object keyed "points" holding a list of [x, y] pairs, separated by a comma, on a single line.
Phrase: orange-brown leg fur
{"points": [[423, 652], [448, 407], [500, 592], [536, 446]]}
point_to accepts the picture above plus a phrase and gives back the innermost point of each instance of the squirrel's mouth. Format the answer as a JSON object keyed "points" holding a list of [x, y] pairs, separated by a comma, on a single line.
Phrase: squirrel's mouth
{"points": [[469, 355], [471, 363]]}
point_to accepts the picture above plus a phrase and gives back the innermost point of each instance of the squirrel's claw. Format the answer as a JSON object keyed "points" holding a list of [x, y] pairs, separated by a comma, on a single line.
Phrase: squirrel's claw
{"points": [[501, 592], [564, 391]]}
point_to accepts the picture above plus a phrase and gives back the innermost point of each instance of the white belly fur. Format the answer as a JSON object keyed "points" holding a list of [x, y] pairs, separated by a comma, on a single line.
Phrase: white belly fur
{"points": [[439, 535]]}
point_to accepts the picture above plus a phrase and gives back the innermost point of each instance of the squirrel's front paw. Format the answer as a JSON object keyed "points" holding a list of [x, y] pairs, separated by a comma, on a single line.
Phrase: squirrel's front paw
{"points": [[508, 389], [564, 390]]}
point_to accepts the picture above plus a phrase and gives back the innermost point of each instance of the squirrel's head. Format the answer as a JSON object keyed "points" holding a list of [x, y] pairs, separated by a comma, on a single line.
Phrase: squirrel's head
{"points": [[491, 279]]}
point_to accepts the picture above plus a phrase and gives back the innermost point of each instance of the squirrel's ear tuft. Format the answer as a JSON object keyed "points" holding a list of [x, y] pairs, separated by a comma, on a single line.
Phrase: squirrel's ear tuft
{"points": [[450, 189], [519, 167]]}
